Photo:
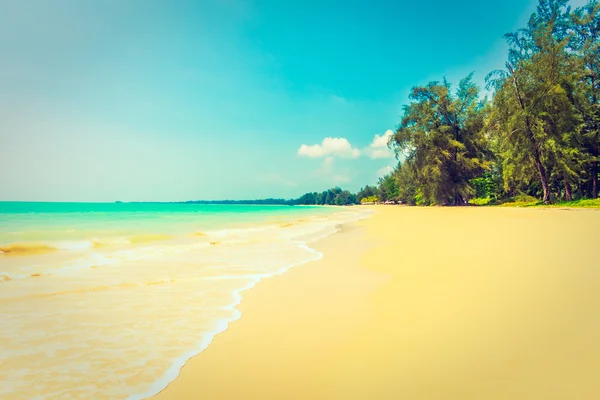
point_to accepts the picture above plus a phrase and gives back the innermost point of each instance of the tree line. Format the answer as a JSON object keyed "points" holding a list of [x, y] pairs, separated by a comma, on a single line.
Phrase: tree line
{"points": [[539, 135], [334, 196]]}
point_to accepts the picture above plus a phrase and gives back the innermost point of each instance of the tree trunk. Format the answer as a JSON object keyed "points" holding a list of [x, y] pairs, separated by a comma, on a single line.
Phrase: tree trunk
{"points": [[534, 145], [568, 196], [594, 180], [543, 178], [538, 164], [595, 163]]}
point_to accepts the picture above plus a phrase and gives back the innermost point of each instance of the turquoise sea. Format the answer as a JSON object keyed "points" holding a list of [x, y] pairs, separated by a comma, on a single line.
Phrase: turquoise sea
{"points": [[75, 224], [108, 300]]}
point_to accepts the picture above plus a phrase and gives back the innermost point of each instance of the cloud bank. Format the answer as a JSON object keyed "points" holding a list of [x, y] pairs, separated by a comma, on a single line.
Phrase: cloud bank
{"points": [[341, 147], [329, 147]]}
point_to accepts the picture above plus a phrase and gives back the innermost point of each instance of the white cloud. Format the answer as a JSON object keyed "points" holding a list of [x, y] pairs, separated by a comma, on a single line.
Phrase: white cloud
{"points": [[379, 146], [385, 170], [329, 147]]}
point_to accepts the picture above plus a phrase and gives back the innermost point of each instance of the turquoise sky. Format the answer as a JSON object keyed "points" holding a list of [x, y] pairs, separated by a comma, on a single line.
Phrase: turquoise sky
{"points": [[177, 100]]}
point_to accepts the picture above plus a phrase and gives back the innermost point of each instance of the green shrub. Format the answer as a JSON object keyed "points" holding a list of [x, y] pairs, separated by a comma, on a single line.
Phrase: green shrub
{"points": [[369, 199], [523, 198], [582, 203], [480, 201], [420, 199]]}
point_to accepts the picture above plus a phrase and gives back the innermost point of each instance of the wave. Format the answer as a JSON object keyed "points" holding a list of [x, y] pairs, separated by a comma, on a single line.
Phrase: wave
{"points": [[239, 258], [221, 326], [80, 245], [173, 371]]}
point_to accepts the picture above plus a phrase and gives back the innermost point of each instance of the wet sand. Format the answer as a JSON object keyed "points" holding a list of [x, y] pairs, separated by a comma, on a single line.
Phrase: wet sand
{"points": [[421, 303]]}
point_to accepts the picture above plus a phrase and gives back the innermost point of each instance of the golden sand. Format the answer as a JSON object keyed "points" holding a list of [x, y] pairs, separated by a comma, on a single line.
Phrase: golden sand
{"points": [[421, 303]]}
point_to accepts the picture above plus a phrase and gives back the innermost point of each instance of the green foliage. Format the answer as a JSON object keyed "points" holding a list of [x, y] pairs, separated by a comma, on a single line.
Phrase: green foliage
{"points": [[542, 106], [442, 134], [583, 203], [420, 199], [367, 191], [539, 136], [369, 199], [480, 201], [334, 196], [388, 187], [521, 200], [537, 141], [407, 185], [486, 186]]}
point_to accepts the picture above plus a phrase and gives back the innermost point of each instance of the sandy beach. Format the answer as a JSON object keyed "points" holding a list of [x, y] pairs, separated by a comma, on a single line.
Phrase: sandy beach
{"points": [[421, 303]]}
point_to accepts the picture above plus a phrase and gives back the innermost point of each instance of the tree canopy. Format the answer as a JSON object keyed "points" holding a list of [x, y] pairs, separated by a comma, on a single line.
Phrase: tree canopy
{"points": [[538, 135], [441, 133]]}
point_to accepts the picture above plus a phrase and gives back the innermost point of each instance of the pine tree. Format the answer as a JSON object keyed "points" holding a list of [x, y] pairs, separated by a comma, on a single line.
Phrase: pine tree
{"points": [[441, 133], [534, 112]]}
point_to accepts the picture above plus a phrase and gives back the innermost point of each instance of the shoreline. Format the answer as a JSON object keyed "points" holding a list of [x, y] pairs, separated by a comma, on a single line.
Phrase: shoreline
{"points": [[488, 314], [223, 325], [131, 314], [318, 245], [180, 362]]}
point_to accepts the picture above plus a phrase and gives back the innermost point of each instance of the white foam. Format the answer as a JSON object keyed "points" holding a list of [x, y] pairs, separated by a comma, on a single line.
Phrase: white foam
{"points": [[173, 371], [81, 245], [241, 258]]}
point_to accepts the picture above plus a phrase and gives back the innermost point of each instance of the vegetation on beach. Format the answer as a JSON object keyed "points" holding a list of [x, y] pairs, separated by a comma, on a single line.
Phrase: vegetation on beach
{"points": [[334, 196], [538, 136], [581, 203], [535, 142]]}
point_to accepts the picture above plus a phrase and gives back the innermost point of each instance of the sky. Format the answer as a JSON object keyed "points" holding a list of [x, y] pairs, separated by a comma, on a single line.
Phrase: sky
{"points": [[138, 100]]}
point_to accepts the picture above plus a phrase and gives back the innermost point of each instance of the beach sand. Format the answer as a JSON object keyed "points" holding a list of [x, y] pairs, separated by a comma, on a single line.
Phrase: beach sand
{"points": [[421, 303]]}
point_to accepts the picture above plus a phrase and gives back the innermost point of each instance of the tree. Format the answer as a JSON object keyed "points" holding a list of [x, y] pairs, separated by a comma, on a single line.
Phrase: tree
{"points": [[442, 134], [342, 198], [534, 113], [586, 43], [367, 191], [540, 135], [407, 185], [334, 196], [388, 187]]}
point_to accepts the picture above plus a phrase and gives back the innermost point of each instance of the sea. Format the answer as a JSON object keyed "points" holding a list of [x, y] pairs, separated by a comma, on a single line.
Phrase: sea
{"points": [[109, 300]]}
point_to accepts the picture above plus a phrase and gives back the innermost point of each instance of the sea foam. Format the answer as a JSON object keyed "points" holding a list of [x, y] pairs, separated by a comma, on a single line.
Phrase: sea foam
{"points": [[121, 321]]}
